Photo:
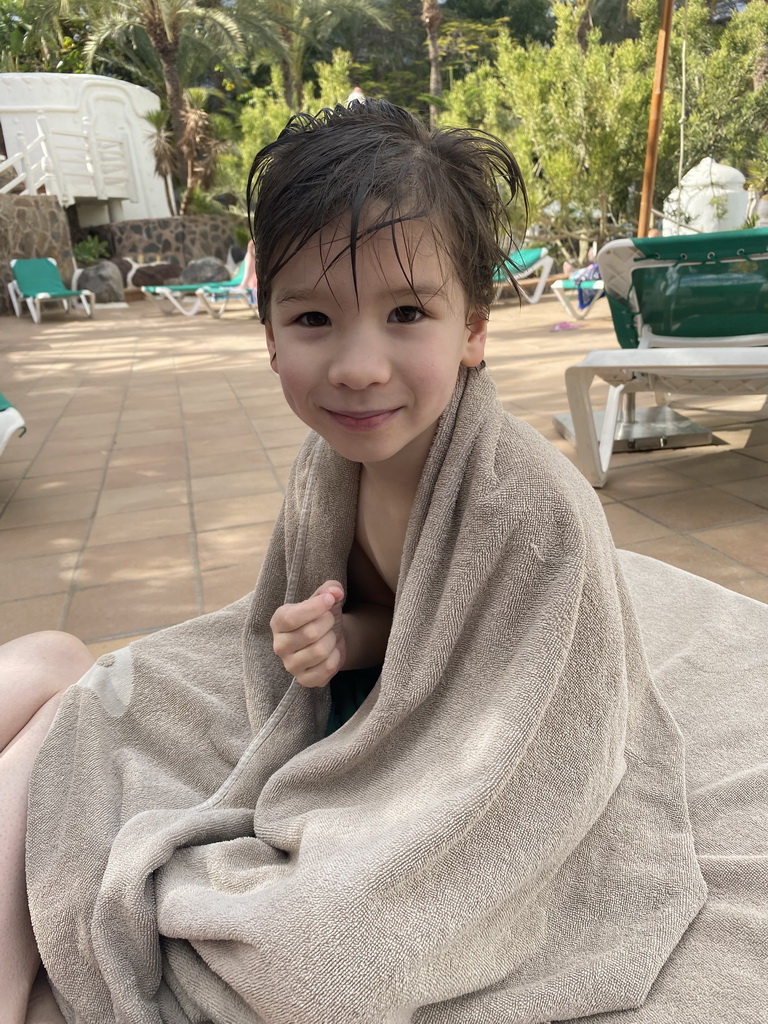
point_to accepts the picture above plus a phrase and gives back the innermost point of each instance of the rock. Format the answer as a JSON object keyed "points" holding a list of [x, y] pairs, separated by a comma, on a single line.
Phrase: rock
{"points": [[202, 271], [153, 274], [125, 267], [104, 280]]}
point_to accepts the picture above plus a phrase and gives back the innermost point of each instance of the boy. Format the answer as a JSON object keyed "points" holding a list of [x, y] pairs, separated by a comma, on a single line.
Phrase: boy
{"points": [[218, 835]]}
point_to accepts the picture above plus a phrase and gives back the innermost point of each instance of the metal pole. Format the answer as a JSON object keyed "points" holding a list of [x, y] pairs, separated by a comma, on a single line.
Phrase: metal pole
{"points": [[654, 121]]}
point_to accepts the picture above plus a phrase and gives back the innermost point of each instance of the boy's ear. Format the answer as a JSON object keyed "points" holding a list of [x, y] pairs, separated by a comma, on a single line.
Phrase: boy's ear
{"points": [[270, 335], [474, 345]]}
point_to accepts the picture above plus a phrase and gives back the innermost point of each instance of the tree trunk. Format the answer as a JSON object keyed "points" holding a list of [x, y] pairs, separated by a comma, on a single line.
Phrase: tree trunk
{"points": [[166, 51], [431, 15]]}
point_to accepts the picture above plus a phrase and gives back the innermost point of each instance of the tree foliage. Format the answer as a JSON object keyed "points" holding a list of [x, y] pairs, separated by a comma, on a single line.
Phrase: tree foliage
{"points": [[576, 116]]}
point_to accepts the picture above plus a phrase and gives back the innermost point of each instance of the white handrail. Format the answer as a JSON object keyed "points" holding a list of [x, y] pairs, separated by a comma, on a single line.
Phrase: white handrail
{"points": [[104, 161]]}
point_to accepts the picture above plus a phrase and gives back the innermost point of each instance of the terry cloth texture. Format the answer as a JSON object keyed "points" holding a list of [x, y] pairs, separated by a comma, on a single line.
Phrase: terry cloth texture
{"points": [[708, 652], [499, 835]]}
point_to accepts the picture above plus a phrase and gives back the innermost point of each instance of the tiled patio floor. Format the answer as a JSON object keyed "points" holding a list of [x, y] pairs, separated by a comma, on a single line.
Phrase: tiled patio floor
{"points": [[158, 447]]}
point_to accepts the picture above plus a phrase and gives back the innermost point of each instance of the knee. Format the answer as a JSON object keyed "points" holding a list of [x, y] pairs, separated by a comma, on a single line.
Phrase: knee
{"points": [[51, 658]]}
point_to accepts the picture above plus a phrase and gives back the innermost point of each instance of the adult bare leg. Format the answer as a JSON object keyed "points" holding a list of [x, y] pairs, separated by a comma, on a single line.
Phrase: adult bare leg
{"points": [[34, 672]]}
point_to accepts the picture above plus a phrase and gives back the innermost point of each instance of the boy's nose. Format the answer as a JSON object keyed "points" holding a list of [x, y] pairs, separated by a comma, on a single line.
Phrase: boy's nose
{"points": [[359, 363]]}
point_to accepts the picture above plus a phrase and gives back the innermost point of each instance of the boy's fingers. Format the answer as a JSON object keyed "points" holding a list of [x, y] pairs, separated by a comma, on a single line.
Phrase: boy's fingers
{"points": [[290, 617], [320, 675], [310, 657], [331, 587], [288, 642]]}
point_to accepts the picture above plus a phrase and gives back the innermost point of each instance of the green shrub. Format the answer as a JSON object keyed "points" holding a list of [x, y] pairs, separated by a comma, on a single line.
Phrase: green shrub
{"points": [[91, 250]]}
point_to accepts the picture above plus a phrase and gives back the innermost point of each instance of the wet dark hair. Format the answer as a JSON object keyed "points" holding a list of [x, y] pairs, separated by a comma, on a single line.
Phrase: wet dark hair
{"points": [[379, 165]]}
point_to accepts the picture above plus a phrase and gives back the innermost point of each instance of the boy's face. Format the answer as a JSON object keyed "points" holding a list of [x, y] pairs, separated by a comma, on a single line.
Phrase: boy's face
{"points": [[372, 372]]}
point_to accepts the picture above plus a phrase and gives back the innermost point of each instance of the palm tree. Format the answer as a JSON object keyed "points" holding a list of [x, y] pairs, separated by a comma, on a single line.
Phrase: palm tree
{"points": [[163, 149], [151, 37], [431, 15], [165, 24], [298, 27]]}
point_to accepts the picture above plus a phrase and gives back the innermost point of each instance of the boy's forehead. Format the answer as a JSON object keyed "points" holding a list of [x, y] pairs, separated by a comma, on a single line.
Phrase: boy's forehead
{"points": [[397, 251]]}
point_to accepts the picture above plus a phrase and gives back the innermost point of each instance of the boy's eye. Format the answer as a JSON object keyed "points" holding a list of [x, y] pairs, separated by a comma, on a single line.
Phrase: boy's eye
{"points": [[313, 319], [406, 315]]}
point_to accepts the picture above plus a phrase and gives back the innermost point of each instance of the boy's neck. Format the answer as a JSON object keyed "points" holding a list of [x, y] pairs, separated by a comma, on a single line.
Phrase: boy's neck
{"points": [[397, 479]]}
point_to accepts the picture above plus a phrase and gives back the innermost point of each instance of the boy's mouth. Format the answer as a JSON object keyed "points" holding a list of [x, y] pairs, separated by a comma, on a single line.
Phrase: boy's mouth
{"points": [[362, 421]]}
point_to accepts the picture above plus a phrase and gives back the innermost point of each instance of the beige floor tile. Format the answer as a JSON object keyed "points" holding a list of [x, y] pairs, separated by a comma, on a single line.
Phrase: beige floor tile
{"points": [[280, 438], [696, 509], [143, 453], [745, 542], [630, 527], [756, 436], [96, 424], [28, 541], [755, 587], [12, 468], [77, 462], [108, 646], [238, 545], [758, 451], [755, 490], [257, 481], [140, 525], [285, 420], [58, 446], [141, 421], [201, 447], [7, 489], [128, 499], [31, 614], [627, 483], [687, 553], [220, 425], [136, 560], [160, 470], [137, 438], [37, 511], [722, 468], [284, 455], [218, 515], [223, 586], [228, 462], [60, 483], [38, 575], [135, 607]]}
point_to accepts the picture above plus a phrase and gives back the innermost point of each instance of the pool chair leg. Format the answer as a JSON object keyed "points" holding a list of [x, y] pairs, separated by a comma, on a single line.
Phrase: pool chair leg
{"points": [[34, 308], [177, 303], [15, 295], [593, 454], [87, 300], [545, 268]]}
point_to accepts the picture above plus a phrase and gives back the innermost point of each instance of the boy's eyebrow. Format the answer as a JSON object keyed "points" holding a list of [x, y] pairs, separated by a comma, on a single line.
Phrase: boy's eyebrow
{"points": [[420, 288]]}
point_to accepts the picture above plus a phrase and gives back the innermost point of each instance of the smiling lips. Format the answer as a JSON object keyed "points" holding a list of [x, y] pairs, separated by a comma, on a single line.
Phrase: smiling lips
{"points": [[362, 421]]}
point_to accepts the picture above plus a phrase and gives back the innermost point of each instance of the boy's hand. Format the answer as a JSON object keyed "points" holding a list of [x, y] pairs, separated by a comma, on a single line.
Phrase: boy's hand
{"points": [[309, 636]]}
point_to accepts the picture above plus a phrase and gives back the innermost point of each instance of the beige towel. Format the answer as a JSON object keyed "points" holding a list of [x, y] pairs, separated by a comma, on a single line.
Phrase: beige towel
{"points": [[708, 651], [500, 834]]}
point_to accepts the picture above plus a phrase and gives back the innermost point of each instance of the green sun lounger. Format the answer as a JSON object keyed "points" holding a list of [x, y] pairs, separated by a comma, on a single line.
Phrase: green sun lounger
{"points": [[186, 298], [37, 281], [523, 264], [11, 420], [690, 314]]}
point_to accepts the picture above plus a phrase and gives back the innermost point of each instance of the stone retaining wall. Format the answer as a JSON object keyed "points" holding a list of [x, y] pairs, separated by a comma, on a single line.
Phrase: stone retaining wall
{"points": [[32, 227], [171, 239], [37, 226]]}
